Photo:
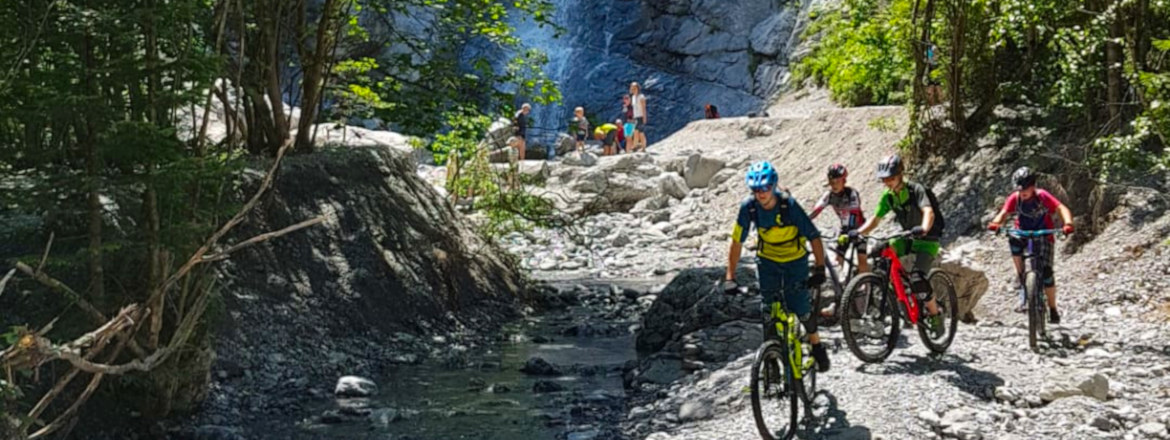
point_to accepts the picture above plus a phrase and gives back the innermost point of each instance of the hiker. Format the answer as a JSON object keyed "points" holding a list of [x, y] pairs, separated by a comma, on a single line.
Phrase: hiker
{"points": [[520, 130], [711, 111], [580, 126], [638, 101], [621, 136]]}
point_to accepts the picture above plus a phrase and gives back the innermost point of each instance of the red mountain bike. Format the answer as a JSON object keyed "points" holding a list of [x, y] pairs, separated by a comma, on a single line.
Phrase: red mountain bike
{"points": [[876, 302]]}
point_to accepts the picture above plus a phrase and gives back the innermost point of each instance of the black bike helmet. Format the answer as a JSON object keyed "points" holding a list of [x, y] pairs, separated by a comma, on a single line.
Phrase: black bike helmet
{"points": [[837, 170], [889, 167], [1023, 178]]}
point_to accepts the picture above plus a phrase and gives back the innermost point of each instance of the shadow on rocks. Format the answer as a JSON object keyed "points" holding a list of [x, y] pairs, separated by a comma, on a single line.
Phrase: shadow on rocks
{"points": [[827, 409], [977, 383]]}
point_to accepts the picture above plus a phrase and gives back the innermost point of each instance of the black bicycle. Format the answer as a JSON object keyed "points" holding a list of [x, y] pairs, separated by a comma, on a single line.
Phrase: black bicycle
{"points": [[1034, 262], [836, 284]]}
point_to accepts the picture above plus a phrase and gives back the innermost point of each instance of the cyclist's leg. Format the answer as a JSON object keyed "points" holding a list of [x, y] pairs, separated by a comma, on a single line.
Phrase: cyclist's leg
{"points": [[862, 257], [769, 274], [1017, 247], [924, 252], [798, 301], [1049, 276]]}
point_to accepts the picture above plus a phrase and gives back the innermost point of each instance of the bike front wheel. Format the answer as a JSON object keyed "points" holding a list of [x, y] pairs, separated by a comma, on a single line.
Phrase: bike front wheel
{"points": [[870, 319], [774, 394], [948, 306]]}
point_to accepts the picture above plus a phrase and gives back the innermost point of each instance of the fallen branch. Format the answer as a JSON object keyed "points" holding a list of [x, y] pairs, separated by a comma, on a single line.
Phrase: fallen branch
{"points": [[4, 282], [223, 255], [45, 256], [197, 257], [60, 287]]}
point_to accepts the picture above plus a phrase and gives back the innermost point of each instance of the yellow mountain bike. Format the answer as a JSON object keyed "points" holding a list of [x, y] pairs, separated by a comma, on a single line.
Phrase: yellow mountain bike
{"points": [[776, 393]]}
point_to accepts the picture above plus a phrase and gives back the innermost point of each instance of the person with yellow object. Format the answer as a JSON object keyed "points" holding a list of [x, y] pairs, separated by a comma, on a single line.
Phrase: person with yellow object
{"points": [[783, 228], [607, 134]]}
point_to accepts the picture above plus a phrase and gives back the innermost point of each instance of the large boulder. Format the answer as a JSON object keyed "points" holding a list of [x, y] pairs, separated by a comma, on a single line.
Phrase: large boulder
{"points": [[565, 144], [636, 164], [673, 185], [590, 182], [579, 159], [687, 305], [355, 386], [499, 132], [699, 170], [967, 274]]}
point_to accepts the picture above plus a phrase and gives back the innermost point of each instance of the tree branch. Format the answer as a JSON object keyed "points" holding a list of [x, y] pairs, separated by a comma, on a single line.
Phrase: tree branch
{"points": [[223, 255], [4, 282]]}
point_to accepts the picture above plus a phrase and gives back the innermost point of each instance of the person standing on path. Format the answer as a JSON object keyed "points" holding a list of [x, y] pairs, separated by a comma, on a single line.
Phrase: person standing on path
{"points": [[520, 130], [580, 127], [638, 102]]}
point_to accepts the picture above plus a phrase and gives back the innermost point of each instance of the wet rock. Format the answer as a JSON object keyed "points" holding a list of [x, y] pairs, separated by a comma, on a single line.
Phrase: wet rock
{"points": [[499, 389], [539, 367], [214, 432], [355, 386], [547, 386]]}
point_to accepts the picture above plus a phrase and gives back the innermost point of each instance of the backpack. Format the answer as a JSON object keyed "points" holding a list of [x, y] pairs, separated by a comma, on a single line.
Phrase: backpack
{"points": [[939, 221]]}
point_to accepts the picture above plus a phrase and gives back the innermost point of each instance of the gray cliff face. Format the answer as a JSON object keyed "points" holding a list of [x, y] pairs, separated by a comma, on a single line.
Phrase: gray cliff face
{"points": [[686, 53]]}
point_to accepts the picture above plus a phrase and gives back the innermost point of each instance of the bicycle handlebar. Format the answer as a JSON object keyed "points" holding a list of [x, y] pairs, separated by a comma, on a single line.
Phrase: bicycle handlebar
{"points": [[902, 234], [1034, 233]]}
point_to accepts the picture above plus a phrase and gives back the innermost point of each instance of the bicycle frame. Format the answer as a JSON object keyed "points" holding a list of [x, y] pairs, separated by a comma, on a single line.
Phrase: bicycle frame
{"points": [[786, 327], [1029, 256], [897, 275]]}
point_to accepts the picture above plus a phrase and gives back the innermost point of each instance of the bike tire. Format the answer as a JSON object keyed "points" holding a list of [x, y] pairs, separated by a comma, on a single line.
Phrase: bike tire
{"points": [[1035, 310], [887, 308], [762, 392], [808, 380], [948, 302]]}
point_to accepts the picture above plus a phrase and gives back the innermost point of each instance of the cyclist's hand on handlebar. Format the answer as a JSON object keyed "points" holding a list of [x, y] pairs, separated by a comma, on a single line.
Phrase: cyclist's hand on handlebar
{"points": [[1067, 229], [854, 234], [729, 287], [993, 227], [816, 277], [917, 231]]}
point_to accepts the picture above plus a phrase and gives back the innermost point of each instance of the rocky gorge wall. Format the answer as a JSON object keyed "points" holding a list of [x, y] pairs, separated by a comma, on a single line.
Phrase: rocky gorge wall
{"points": [[686, 53]]}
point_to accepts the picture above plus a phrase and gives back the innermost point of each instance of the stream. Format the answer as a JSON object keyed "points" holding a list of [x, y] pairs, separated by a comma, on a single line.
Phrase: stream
{"points": [[488, 397]]}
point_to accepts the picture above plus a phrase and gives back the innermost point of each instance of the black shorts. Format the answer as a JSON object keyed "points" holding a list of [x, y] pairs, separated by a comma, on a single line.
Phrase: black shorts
{"points": [[580, 137], [519, 134], [639, 123], [1044, 251], [610, 138]]}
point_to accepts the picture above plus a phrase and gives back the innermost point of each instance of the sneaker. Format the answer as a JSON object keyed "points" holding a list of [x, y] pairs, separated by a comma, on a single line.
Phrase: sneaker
{"points": [[822, 356], [1053, 316], [935, 323]]}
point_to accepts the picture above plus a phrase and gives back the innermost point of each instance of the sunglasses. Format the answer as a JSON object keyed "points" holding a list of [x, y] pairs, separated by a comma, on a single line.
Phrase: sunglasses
{"points": [[763, 189]]}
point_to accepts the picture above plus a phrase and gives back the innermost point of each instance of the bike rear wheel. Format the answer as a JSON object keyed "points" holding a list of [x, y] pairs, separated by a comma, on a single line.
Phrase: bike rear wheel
{"points": [[1035, 310], [870, 320], [774, 394], [948, 306]]}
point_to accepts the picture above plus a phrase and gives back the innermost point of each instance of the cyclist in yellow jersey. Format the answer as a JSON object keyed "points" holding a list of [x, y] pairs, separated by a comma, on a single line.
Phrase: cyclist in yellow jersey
{"points": [[783, 228]]}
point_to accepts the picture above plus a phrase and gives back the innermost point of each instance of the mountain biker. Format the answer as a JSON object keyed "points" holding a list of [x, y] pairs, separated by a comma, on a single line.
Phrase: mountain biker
{"points": [[1033, 208], [846, 202], [783, 229], [914, 207]]}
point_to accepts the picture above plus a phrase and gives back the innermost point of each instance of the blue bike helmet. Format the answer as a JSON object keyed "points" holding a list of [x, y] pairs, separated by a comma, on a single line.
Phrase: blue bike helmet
{"points": [[761, 175]]}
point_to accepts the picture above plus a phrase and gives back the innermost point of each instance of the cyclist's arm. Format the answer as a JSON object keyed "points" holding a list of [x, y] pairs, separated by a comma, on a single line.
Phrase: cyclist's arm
{"points": [[883, 208], [738, 234], [927, 218], [1065, 214], [733, 259], [820, 206], [1000, 217], [818, 252], [870, 225]]}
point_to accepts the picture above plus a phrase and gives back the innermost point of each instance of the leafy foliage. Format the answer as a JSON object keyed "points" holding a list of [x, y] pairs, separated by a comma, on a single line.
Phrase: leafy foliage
{"points": [[860, 57]]}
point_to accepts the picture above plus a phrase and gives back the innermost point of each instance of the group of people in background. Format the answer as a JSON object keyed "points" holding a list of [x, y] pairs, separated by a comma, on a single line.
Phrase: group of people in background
{"points": [[624, 134]]}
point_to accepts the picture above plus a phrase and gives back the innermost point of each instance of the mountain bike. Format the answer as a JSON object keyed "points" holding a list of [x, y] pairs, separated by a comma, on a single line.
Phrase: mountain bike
{"points": [[836, 282], [782, 392], [1033, 289], [875, 303]]}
